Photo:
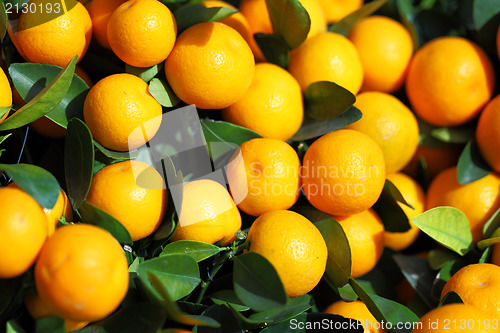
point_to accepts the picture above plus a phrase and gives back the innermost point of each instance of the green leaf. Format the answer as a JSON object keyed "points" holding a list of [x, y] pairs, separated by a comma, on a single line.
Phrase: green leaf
{"points": [[440, 257], [444, 275], [326, 100], [140, 317], [294, 306], [4, 110], [52, 324], [451, 298], [492, 224], [290, 21], [312, 128], [13, 327], [485, 257], [197, 250], [78, 161], [37, 182], [384, 309], [345, 25], [223, 131], [178, 274], [228, 297], [96, 216], [3, 22], [287, 326], [273, 48], [257, 283], [448, 226], [223, 315], [47, 99], [191, 14], [144, 73], [116, 155], [4, 137], [458, 134], [407, 13], [389, 211], [162, 92], [471, 166], [482, 245], [484, 11]]}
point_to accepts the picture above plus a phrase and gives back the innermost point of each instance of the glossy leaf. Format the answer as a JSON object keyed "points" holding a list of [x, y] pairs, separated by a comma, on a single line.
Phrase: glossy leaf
{"points": [[192, 14], [197, 250], [37, 182], [223, 315], [443, 276], [294, 325], [440, 257], [312, 128], [273, 48], [257, 283], [162, 92], [290, 21], [294, 306], [78, 161], [345, 25], [451, 298], [13, 327], [389, 211], [471, 165], [448, 226], [484, 11], [144, 73], [460, 134], [483, 244], [52, 324], [141, 317], [3, 21], [222, 131], [96, 216], [116, 155], [228, 297], [407, 14], [326, 100], [492, 224], [4, 110]]}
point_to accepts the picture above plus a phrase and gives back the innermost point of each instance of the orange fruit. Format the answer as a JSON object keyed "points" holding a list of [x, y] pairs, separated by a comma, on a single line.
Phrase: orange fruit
{"points": [[446, 191], [487, 136], [52, 38], [414, 195], [82, 272], [455, 318], [267, 177], [121, 113], [293, 245], [478, 285], [5, 93], [328, 56], [449, 81], [343, 172], [23, 227], [365, 234], [436, 159], [272, 106], [211, 66], [391, 124], [149, 39], [239, 23], [385, 48], [100, 12], [335, 10], [61, 208], [117, 190], [208, 214], [356, 310]]}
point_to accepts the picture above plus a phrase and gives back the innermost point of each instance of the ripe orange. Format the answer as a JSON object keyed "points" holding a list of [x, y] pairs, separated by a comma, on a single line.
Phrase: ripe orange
{"points": [[208, 214], [335, 10], [211, 66], [50, 38], [391, 124], [269, 177], [293, 245], [117, 190], [121, 113], [478, 285], [446, 191], [365, 233], [487, 136], [327, 56], [414, 195], [356, 310], [385, 48], [449, 81], [436, 159], [82, 272], [272, 106], [455, 318], [5, 93], [23, 228], [61, 208], [100, 12], [343, 172], [142, 32]]}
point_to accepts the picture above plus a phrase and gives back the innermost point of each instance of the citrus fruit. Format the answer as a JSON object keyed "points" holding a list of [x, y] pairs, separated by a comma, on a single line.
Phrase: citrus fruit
{"points": [[5, 94], [436, 159], [61, 208], [210, 66], [335, 10], [449, 81], [132, 192], [268, 178], [343, 172], [487, 136], [116, 107], [53, 38], [391, 124], [82, 272], [272, 106], [356, 310], [142, 32], [24, 227], [446, 191], [208, 214], [414, 195], [385, 48], [293, 245], [478, 285], [100, 12], [327, 56], [455, 318], [365, 234]]}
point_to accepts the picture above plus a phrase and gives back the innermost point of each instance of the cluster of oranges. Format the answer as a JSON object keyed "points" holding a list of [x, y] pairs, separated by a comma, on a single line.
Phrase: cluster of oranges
{"points": [[81, 271]]}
